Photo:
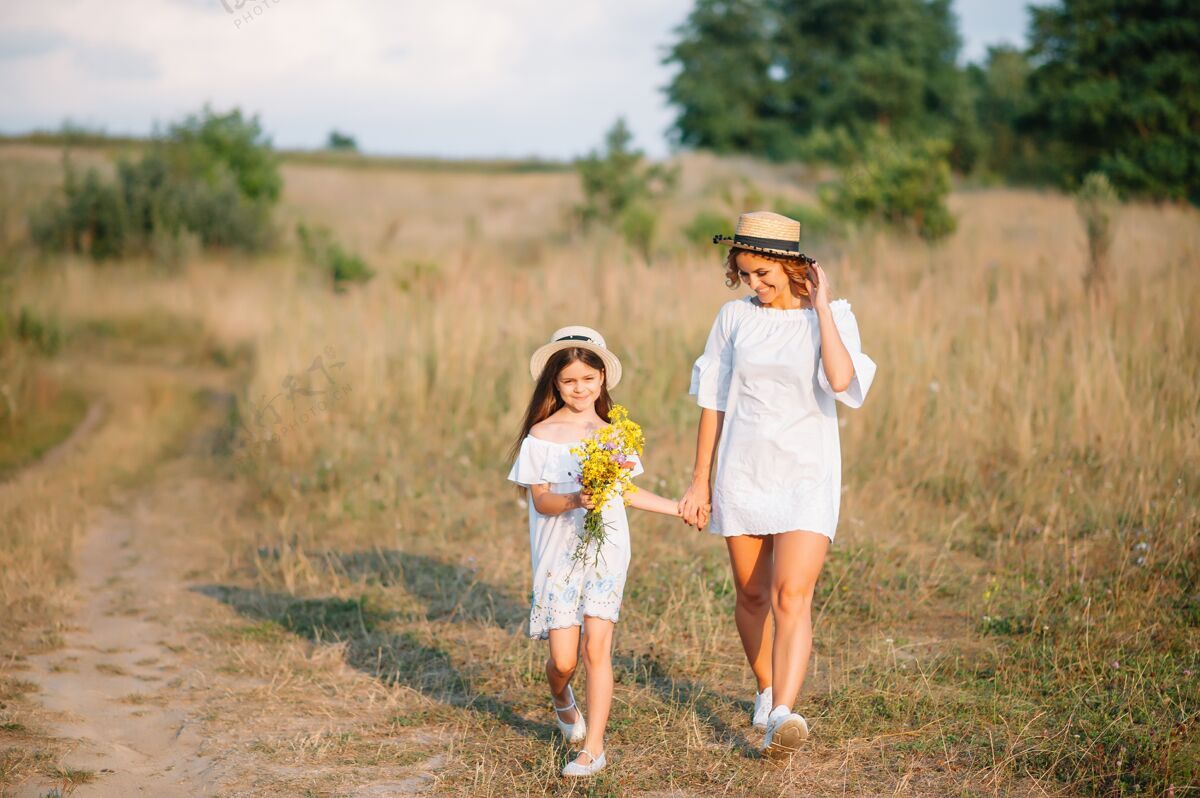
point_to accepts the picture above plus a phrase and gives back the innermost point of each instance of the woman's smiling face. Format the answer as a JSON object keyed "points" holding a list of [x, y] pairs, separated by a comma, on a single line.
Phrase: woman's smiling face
{"points": [[765, 277]]}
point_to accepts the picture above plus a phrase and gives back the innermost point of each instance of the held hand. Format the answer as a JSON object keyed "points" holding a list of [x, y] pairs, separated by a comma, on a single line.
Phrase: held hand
{"points": [[584, 500], [818, 294], [693, 504]]}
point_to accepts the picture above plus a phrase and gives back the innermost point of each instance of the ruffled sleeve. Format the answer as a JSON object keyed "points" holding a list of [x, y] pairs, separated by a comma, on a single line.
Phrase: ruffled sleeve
{"points": [[713, 371], [541, 462], [864, 367]]}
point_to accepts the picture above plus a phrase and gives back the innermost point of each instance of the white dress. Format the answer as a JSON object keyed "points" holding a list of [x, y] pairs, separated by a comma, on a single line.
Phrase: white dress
{"points": [[779, 461], [564, 590]]}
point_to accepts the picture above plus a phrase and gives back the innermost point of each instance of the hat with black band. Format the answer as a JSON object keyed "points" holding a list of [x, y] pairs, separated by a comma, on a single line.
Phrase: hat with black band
{"points": [[764, 231]]}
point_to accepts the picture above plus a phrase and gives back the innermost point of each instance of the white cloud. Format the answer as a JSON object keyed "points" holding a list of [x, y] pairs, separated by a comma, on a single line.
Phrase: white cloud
{"points": [[451, 77], [457, 77]]}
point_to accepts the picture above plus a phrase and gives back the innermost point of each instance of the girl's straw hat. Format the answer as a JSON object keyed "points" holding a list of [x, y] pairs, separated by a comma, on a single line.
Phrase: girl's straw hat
{"points": [[584, 338], [763, 231]]}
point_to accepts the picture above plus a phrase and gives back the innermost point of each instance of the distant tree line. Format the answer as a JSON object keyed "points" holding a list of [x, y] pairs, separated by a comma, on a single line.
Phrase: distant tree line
{"points": [[1110, 86]]}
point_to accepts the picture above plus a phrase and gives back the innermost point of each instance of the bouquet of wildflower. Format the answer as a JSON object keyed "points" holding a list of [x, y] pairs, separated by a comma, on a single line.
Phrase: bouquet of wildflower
{"points": [[605, 465]]}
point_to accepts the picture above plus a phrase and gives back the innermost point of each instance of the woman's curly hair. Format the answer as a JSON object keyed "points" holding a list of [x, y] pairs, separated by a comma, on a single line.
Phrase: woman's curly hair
{"points": [[797, 270]]}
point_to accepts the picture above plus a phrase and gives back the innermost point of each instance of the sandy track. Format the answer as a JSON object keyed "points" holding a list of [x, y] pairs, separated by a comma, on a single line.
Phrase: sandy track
{"points": [[107, 681]]}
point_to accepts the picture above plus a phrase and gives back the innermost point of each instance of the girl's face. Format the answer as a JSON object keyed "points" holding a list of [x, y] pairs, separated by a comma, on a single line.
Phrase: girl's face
{"points": [[579, 385], [765, 277]]}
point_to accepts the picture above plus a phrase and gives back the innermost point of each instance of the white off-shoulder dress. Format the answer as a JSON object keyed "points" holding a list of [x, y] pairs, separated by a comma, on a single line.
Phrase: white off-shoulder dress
{"points": [[564, 591], [779, 461]]}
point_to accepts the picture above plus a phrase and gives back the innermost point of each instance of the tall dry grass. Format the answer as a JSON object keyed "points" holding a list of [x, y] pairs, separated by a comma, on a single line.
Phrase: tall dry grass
{"points": [[1012, 602]]}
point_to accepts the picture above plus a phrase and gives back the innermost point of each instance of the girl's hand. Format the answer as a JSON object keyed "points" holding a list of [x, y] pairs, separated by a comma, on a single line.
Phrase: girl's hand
{"points": [[818, 294], [584, 500]]}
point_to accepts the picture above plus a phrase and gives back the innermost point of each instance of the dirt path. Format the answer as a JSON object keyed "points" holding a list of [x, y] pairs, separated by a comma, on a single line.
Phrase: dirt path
{"points": [[160, 689], [113, 689], [106, 681]]}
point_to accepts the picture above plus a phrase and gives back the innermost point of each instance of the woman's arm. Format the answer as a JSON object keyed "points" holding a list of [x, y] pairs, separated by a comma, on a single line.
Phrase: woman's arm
{"points": [[642, 499], [835, 358], [695, 504], [548, 503]]}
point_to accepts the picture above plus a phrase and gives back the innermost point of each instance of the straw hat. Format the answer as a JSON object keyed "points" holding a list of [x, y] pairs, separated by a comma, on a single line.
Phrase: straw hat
{"points": [[763, 231], [583, 338]]}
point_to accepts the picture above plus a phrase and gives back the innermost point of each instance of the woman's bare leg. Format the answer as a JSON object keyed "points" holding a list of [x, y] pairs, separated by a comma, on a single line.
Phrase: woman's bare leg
{"points": [[799, 557], [750, 558]]}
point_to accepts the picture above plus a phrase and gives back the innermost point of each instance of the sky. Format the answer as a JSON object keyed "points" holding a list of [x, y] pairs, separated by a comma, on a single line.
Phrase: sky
{"points": [[454, 78]]}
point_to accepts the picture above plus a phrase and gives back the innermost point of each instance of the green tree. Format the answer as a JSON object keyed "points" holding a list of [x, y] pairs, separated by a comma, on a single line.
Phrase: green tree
{"points": [[341, 141], [1116, 88], [615, 179], [763, 77], [727, 99], [1000, 89], [619, 189]]}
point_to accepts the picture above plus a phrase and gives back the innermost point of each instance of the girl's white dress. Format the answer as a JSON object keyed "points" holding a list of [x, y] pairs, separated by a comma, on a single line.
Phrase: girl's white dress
{"points": [[779, 461], [564, 590]]}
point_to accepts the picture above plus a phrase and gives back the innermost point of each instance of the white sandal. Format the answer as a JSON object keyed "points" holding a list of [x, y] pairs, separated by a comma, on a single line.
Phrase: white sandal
{"points": [[574, 732], [573, 768]]}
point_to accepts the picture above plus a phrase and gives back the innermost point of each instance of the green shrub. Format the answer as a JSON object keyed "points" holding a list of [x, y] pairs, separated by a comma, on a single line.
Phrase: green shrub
{"points": [[815, 221], [1097, 202], [904, 185], [615, 180], [44, 334], [705, 225], [212, 146], [414, 272], [212, 183], [637, 224], [323, 251]]}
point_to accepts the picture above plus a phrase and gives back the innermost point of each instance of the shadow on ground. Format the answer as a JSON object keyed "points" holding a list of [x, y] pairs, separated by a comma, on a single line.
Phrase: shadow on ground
{"points": [[449, 593], [688, 695]]}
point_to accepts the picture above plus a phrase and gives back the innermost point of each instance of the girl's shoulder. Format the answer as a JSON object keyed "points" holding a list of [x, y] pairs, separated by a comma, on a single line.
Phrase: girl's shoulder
{"points": [[555, 433]]}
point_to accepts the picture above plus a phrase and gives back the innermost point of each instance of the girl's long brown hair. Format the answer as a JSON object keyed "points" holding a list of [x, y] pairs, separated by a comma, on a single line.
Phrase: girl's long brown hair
{"points": [[545, 401]]}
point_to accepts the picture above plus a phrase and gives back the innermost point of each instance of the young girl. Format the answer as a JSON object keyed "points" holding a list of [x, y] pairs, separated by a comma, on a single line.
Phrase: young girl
{"points": [[574, 373]]}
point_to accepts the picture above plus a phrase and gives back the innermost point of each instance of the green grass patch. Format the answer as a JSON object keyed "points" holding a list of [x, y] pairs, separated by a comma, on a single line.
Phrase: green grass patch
{"points": [[30, 435]]}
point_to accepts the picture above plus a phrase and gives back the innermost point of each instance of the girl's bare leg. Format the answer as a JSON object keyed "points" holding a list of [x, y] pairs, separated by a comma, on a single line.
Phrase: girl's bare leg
{"points": [[560, 667], [597, 658]]}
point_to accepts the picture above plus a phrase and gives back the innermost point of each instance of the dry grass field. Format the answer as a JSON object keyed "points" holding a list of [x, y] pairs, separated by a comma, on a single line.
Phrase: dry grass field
{"points": [[1011, 607]]}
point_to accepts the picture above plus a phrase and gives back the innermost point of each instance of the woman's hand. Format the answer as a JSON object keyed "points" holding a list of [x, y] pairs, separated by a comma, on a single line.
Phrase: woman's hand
{"points": [[818, 294], [694, 506]]}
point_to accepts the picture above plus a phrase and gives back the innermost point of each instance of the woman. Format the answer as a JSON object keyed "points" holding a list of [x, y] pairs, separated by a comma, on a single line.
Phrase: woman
{"points": [[772, 367]]}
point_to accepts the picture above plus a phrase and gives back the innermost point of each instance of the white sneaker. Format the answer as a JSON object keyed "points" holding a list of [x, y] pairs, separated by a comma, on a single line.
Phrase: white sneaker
{"points": [[784, 736], [762, 709], [574, 732], [574, 768]]}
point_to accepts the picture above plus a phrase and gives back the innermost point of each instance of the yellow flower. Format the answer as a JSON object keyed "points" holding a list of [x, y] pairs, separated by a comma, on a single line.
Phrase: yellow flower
{"points": [[605, 472]]}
